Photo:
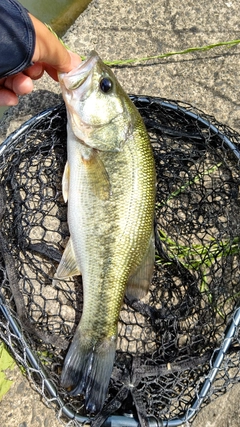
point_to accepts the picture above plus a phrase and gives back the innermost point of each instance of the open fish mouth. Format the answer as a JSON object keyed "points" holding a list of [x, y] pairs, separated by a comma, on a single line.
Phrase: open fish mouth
{"points": [[84, 95], [78, 76]]}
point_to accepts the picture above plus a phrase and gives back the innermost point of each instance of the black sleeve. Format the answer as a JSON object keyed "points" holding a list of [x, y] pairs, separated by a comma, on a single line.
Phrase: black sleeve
{"points": [[17, 38]]}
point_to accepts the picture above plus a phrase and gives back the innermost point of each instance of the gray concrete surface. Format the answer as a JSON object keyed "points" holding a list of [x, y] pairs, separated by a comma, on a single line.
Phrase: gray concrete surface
{"points": [[209, 81]]}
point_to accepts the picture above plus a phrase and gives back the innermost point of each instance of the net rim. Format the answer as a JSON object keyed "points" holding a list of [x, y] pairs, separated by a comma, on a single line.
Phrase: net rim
{"points": [[231, 329], [167, 104]]}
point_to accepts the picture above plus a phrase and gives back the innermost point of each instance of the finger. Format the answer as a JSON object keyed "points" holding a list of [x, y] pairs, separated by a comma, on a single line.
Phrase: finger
{"points": [[7, 98], [20, 84], [35, 71], [51, 71], [74, 61], [50, 50]]}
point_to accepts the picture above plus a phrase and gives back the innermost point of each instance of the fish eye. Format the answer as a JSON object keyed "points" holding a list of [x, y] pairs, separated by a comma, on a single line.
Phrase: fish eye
{"points": [[105, 85]]}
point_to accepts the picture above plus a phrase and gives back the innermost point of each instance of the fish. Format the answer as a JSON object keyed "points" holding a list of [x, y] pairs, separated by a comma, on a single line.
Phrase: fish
{"points": [[109, 184]]}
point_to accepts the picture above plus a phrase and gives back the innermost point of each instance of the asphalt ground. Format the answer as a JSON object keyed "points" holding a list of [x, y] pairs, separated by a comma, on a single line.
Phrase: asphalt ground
{"points": [[209, 81]]}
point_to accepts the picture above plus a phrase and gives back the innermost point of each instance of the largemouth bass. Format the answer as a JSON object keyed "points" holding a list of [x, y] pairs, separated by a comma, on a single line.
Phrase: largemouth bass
{"points": [[109, 183]]}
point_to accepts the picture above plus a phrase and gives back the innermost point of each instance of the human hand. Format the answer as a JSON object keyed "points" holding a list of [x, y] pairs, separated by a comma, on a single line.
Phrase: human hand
{"points": [[49, 55]]}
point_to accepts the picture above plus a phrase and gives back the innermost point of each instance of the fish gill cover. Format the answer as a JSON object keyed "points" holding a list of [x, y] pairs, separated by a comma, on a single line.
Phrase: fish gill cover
{"points": [[178, 347]]}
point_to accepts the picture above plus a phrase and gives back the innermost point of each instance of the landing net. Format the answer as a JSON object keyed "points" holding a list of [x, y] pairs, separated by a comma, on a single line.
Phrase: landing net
{"points": [[179, 348]]}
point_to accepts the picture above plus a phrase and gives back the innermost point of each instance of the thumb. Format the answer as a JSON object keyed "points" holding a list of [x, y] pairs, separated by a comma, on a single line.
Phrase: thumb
{"points": [[75, 60], [50, 51]]}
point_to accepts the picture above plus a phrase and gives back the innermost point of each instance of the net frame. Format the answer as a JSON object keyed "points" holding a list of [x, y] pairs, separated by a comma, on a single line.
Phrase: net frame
{"points": [[31, 362]]}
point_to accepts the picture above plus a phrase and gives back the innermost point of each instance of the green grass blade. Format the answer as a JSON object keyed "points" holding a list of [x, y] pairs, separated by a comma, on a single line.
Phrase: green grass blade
{"points": [[129, 61]]}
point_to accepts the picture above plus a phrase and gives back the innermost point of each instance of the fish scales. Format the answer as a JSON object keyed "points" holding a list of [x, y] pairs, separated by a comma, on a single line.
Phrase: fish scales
{"points": [[112, 246], [109, 182]]}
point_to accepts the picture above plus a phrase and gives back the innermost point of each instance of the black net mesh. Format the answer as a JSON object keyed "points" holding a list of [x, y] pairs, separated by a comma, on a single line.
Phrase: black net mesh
{"points": [[180, 346]]}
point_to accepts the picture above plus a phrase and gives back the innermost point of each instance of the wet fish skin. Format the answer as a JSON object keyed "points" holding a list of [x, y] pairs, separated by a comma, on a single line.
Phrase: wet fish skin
{"points": [[109, 182]]}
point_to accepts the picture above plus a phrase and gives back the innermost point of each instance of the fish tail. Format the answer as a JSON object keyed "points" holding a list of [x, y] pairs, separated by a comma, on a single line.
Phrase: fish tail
{"points": [[87, 369]]}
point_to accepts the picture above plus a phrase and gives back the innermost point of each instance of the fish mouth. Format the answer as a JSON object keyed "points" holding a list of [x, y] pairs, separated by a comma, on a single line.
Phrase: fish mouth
{"points": [[76, 77]]}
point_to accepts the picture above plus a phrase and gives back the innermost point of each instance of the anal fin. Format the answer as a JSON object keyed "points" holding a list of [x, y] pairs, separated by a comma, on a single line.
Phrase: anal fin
{"points": [[139, 282], [68, 266]]}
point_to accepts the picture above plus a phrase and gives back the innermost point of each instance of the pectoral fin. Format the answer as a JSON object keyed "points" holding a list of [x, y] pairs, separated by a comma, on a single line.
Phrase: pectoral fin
{"points": [[65, 182], [97, 176], [68, 265], [139, 281]]}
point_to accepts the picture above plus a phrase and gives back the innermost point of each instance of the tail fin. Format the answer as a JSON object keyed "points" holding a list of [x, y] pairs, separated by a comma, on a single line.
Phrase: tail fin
{"points": [[87, 369]]}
